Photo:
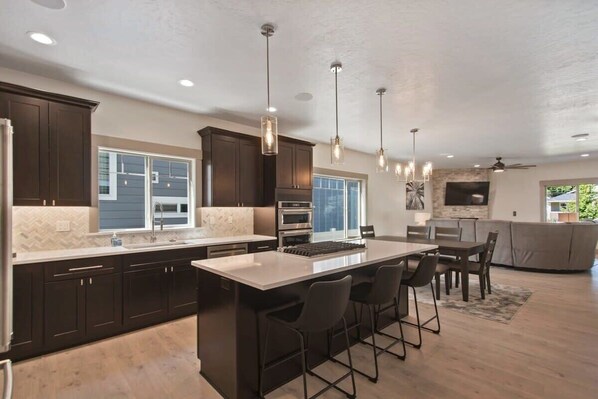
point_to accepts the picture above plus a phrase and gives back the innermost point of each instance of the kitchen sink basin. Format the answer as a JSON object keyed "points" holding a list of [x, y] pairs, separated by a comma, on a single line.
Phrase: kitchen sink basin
{"points": [[156, 244]]}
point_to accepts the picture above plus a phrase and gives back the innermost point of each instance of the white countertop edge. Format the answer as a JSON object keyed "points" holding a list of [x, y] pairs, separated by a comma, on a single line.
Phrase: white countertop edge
{"points": [[24, 258], [196, 263]]}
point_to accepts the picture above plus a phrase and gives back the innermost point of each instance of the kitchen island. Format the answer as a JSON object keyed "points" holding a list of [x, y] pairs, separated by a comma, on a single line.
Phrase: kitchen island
{"points": [[235, 293]]}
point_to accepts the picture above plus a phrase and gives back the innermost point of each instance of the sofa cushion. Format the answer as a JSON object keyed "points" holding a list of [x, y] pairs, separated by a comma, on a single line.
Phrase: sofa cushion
{"points": [[583, 246], [541, 245], [503, 253]]}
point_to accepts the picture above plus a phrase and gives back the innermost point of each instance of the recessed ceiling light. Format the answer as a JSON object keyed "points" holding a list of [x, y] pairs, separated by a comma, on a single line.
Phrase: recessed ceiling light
{"points": [[51, 4], [580, 137], [585, 155], [450, 156], [41, 38], [476, 165], [186, 83], [271, 109]]}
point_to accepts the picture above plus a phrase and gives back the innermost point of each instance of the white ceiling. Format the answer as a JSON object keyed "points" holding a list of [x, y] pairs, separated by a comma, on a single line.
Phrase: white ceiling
{"points": [[480, 79]]}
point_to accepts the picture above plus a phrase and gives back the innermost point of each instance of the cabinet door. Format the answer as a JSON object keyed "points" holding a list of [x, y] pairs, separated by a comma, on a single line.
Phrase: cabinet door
{"points": [[28, 289], [145, 298], [285, 163], [64, 313], [183, 290], [250, 173], [303, 166], [103, 305], [224, 171], [70, 152], [29, 117]]}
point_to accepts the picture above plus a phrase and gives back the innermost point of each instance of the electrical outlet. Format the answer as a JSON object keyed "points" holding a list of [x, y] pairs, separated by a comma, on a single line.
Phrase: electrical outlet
{"points": [[63, 225], [514, 213]]}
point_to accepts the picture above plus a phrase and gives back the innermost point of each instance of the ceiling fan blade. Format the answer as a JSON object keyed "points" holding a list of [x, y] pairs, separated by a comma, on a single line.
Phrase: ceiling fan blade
{"points": [[520, 166], [514, 164]]}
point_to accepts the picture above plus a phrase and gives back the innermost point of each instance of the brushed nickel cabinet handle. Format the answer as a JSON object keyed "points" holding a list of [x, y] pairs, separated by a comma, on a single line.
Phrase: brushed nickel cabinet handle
{"points": [[166, 270], [263, 247], [53, 202], [171, 269], [76, 269], [90, 281], [44, 202], [81, 281]]}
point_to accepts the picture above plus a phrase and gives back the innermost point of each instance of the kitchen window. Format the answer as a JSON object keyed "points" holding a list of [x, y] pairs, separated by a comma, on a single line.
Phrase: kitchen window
{"points": [[130, 184], [338, 207]]}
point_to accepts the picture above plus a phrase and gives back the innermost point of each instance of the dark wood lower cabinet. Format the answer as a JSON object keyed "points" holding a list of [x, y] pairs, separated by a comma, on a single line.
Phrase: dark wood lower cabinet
{"points": [[145, 296], [64, 312], [182, 299], [103, 305]]}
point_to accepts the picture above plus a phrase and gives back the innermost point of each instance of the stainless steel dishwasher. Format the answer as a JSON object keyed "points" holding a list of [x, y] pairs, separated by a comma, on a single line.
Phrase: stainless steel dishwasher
{"points": [[220, 251]]}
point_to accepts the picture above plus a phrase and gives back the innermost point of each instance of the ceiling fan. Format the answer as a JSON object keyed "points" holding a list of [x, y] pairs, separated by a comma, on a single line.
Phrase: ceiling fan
{"points": [[499, 166]]}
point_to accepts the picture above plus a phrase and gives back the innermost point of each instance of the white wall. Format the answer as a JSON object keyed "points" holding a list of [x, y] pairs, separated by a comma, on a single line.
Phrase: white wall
{"points": [[519, 190], [124, 117], [385, 196], [128, 118]]}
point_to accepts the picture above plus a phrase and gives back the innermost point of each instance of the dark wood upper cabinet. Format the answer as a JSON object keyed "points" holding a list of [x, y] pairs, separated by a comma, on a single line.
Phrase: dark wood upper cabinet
{"points": [[285, 165], [231, 168], [303, 166], [51, 146]]}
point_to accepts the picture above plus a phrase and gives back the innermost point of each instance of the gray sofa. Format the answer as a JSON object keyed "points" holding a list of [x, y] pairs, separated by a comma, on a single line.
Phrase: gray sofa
{"points": [[544, 246]]}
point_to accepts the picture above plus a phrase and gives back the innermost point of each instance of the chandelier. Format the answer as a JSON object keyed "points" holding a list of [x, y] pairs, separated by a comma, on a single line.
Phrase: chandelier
{"points": [[408, 173]]}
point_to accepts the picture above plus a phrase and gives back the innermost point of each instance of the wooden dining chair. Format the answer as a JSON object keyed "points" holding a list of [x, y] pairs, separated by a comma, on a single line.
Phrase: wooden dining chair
{"points": [[367, 231], [423, 232], [482, 269], [445, 262]]}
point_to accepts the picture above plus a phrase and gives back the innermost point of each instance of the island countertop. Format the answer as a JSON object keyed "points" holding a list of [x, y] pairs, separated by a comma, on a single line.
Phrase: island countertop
{"points": [[273, 269]]}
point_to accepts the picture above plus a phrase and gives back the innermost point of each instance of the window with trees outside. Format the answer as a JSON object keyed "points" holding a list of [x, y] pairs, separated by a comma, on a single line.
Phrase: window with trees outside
{"points": [[338, 210], [131, 184], [573, 202]]}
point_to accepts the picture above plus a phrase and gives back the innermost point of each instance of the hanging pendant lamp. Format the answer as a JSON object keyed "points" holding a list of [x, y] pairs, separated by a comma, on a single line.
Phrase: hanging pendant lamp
{"points": [[269, 122], [337, 149], [381, 158], [408, 172]]}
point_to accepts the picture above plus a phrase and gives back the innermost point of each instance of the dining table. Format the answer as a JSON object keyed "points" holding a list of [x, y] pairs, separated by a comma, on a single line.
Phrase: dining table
{"points": [[463, 250]]}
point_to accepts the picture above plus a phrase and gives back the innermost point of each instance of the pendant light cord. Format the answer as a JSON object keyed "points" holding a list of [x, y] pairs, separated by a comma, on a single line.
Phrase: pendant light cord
{"points": [[380, 94], [268, 66], [336, 98]]}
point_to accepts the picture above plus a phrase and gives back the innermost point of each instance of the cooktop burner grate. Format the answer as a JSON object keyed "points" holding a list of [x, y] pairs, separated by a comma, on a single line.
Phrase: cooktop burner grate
{"points": [[321, 248]]}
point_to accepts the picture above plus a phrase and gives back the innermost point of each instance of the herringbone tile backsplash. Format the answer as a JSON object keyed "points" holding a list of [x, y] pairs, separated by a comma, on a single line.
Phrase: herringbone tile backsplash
{"points": [[34, 228]]}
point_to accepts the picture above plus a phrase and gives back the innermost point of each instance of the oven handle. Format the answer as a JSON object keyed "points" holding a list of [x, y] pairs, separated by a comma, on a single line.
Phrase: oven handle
{"points": [[296, 210], [295, 233]]}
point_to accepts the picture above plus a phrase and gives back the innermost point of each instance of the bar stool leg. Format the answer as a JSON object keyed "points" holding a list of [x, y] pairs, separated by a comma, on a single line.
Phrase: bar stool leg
{"points": [[374, 348], [264, 360], [350, 359], [303, 365]]}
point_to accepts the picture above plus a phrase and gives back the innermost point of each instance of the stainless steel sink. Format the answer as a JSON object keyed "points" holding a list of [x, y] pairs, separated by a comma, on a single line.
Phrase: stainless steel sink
{"points": [[156, 244]]}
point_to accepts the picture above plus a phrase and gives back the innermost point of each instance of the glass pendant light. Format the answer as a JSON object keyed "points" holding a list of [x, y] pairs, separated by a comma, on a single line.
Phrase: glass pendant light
{"points": [[381, 158], [408, 172], [269, 122], [337, 149]]}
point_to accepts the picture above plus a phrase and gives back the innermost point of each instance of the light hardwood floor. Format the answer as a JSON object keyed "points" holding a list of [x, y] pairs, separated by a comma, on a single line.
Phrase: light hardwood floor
{"points": [[550, 350]]}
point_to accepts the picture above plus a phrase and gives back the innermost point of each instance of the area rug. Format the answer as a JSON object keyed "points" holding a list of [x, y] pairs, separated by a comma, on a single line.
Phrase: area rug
{"points": [[501, 306]]}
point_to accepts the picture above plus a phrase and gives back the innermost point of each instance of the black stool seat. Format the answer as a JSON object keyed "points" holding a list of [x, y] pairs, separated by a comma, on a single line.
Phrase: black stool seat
{"points": [[383, 290], [421, 277], [324, 307]]}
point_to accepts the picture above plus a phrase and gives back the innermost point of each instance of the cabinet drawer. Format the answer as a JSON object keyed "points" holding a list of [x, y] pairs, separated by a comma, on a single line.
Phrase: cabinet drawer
{"points": [[262, 246], [150, 260], [80, 268]]}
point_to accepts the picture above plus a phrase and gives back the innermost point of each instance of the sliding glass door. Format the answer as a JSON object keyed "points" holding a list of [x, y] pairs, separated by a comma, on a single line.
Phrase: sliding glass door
{"points": [[337, 208]]}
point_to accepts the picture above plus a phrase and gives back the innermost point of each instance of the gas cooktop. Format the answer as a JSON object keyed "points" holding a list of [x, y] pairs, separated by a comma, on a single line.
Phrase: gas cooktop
{"points": [[321, 248]]}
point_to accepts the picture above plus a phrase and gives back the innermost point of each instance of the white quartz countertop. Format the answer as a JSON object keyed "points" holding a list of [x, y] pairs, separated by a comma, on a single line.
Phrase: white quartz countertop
{"points": [[75, 253], [272, 269]]}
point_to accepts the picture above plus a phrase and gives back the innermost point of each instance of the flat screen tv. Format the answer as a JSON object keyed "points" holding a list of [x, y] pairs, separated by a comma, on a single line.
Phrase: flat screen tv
{"points": [[467, 193]]}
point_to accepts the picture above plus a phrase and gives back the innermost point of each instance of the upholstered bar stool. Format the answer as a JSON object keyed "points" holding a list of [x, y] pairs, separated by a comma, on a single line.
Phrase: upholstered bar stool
{"points": [[324, 308], [421, 277], [382, 291]]}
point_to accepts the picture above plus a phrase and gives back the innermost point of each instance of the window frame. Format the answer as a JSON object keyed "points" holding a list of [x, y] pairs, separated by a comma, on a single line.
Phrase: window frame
{"points": [[150, 180], [362, 197], [112, 186], [564, 182]]}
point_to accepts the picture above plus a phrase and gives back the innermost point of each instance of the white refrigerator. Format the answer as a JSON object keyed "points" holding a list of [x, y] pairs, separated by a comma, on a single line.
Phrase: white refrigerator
{"points": [[6, 251]]}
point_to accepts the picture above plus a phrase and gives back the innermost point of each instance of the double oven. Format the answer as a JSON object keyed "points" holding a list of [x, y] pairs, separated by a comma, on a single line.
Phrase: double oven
{"points": [[295, 222]]}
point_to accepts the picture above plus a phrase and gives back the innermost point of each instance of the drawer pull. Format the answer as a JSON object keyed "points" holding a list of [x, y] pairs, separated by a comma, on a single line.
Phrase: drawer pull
{"points": [[76, 269], [263, 247]]}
